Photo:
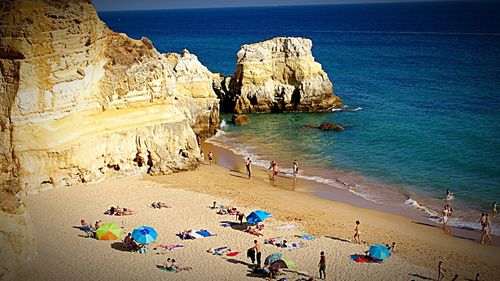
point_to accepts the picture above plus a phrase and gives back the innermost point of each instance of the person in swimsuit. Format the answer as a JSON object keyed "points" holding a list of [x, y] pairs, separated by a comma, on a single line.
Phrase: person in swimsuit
{"points": [[248, 164], [446, 216], [482, 222], [210, 157], [449, 194], [258, 253], [357, 232], [487, 230], [274, 166], [322, 266], [494, 208], [441, 271], [295, 168]]}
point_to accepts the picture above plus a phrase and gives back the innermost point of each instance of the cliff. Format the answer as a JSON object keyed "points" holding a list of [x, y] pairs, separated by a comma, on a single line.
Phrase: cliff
{"points": [[80, 103], [277, 75]]}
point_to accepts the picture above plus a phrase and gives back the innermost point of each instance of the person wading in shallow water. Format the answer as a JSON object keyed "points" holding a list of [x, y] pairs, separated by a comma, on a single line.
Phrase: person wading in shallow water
{"points": [[275, 168], [295, 168]]}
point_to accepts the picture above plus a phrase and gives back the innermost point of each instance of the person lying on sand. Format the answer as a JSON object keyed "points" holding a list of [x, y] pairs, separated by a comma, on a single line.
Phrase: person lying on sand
{"points": [[159, 205], [253, 231], [123, 212], [177, 267], [186, 234]]}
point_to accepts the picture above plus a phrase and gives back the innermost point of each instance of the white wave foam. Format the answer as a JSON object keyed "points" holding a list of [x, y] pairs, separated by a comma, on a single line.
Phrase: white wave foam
{"points": [[346, 108]]}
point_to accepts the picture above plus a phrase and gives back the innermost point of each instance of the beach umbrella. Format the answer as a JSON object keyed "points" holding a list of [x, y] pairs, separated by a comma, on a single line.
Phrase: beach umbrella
{"points": [[109, 231], [258, 216], [272, 258], [283, 263], [379, 252], [144, 234]]}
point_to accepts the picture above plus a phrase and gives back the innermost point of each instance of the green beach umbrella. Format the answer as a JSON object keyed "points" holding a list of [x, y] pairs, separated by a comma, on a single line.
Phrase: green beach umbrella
{"points": [[283, 263], [109, 231]]}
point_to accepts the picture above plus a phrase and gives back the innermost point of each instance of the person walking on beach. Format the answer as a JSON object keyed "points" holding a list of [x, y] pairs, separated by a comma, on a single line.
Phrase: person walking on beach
{"points": [[449, 194], [248, 164], [295, 168], [482, 222], [357, 233], [322, 266], [210, 157], [487, 230], [441, 271]]}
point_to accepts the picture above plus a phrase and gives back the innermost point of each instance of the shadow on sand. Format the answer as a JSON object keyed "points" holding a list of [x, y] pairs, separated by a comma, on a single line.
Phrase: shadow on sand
{"points": [[237, 225], [119, 246]]}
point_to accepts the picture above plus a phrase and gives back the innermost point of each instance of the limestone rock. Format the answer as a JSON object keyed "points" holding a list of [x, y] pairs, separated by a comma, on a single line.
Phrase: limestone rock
{"points": [[280, 75], [240, 119], [327, 126], [79, 102]]}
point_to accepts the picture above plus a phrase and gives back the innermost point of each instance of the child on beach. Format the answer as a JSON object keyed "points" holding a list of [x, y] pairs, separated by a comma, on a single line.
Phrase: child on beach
{"points": [[322, 266], [210, 157], [357, 233], [441, 271]]}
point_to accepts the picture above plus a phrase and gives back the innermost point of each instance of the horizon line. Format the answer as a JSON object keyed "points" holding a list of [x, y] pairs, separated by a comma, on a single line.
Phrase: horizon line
{"points": [[299, 5]]}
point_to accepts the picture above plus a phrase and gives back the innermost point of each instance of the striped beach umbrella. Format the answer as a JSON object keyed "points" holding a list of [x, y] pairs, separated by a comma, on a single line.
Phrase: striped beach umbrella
{"points": [[108, 231], [144, 234]]}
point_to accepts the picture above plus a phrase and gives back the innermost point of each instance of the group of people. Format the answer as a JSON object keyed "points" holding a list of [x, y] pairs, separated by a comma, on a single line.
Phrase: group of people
{"points": [[159, 205], [89, 229], [130, 244], [119, 211], [171, 264], [484, 221], [441, 273], [272, 166]]}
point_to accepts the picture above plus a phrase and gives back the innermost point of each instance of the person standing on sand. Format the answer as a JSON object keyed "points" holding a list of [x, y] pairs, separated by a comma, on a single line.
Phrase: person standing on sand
{"points": [[210, 157], [482, 222], [487, 230], [441, 271], [248, 164], [295, 168], [446, 217], [357, 232], [322, 266], [258, 253], [275, 168]]}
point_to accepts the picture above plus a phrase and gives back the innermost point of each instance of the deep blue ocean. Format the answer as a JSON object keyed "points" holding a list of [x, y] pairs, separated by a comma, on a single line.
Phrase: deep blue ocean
{"points": [[424, 76]]}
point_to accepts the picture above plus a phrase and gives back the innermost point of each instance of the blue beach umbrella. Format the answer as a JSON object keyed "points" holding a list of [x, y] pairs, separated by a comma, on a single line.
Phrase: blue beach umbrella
{"points": [[379, 252], [272, 258], [258, 216], [144, 234]]}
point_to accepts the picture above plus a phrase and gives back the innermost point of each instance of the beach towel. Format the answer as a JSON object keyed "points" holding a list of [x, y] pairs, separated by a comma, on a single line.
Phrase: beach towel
{"points": [[165, 269], [227, 224], [170, 247], [286, 227], [232, 254], [294, 245], [274, 241], [364, 259], [306, 236], [203, 233]]}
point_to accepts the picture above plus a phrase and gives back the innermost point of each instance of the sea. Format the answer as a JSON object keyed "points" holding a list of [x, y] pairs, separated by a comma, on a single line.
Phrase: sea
{"points": [[420, 84]]}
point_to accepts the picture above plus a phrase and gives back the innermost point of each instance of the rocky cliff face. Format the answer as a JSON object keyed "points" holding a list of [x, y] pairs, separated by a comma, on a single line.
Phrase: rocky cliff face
{"points": [[80, 103], [277, 75]]}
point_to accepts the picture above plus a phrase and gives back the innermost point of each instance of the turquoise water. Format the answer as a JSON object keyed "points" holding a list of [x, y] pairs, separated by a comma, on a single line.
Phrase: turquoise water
{"points": [[427, 77]]}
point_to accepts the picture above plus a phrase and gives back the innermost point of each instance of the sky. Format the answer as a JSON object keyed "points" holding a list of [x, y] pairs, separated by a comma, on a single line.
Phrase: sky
{"points": [[116, 5]]}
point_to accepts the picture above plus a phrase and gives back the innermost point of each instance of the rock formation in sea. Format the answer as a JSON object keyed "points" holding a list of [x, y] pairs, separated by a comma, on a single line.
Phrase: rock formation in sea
{"points": [[80, 102], [277, 75]]}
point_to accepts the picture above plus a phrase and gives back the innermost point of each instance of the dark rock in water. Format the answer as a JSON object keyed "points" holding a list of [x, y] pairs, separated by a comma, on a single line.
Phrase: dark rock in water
{"points": [[240, 119], [327, 126]]}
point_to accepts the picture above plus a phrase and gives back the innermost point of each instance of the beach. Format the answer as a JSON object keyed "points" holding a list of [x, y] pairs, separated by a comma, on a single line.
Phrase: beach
{"points": [[64, 254]]}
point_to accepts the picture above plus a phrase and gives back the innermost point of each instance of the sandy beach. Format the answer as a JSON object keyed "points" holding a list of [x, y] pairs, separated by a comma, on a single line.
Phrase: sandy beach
{"points": [[64, 254]]}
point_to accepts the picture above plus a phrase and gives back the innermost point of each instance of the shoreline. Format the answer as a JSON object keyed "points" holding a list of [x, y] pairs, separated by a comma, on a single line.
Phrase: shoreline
{"points": [[234, 162]]}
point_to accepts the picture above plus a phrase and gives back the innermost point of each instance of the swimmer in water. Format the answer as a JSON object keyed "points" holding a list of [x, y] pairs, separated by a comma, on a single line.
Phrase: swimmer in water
{"points": [[449, 194]]}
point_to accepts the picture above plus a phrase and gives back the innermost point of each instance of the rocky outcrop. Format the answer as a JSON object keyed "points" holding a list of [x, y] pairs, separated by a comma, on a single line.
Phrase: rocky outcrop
{"points": [[277, 75], [327, 126], [240, 119], [80, 103]]}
